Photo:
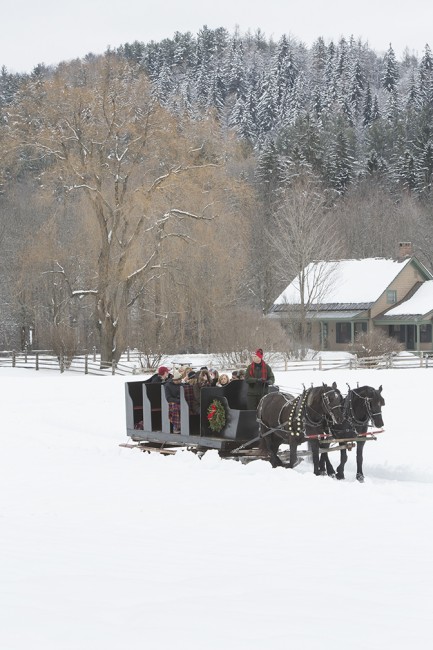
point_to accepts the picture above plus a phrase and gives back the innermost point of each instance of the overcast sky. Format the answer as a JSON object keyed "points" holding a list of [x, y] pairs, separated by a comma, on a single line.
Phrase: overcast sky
{"points": [[49, 31]]}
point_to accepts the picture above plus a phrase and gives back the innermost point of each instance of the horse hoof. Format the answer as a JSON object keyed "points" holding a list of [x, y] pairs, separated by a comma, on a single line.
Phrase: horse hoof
{"points": [[339, 476], [360, 478], [332, 475]]}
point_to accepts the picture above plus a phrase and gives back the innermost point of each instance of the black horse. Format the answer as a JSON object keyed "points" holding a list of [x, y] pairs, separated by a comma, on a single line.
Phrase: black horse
{"points": [[362, 406], [293, 420]]}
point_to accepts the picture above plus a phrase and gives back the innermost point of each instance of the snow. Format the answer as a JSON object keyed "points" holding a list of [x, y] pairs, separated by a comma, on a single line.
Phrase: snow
{"points": [[420, 303], [350, 281], [104, 547]]}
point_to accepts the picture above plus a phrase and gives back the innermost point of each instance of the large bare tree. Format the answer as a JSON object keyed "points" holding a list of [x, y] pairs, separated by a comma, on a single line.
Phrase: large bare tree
{"points": [[94, 129]]}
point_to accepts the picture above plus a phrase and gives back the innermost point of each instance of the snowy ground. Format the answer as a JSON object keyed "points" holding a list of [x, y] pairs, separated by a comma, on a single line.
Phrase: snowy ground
{"points": [[106, 548]]}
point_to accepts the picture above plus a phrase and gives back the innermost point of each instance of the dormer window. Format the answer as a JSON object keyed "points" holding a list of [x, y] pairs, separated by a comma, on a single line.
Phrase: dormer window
{"points": [[391, 296]]}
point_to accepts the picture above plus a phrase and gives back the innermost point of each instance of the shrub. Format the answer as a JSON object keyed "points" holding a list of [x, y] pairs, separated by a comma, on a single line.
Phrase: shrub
{"points": [[375, 343]]}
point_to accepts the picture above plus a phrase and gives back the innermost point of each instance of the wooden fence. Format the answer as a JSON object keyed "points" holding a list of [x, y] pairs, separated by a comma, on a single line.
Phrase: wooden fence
{"points": [[131, 362], [85, 363]]}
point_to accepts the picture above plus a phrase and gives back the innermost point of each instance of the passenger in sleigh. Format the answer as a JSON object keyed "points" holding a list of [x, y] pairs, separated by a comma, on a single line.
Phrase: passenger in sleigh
{"points": [[192, 394], [199, 380], [172, 393], [159, 377]]}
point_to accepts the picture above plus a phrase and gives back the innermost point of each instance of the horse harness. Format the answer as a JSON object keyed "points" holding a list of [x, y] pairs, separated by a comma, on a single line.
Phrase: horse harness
{"points": [[298, 414]]}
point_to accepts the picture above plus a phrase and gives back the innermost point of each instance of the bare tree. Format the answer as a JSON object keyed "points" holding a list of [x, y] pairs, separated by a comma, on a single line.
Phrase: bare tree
{"points": [[372, 221], [97, 132], [304, 231]]}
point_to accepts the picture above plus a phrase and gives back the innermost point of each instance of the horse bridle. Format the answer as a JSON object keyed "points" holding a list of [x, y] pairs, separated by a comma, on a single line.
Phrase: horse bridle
{"points": [[328, 408], [367, 401]]}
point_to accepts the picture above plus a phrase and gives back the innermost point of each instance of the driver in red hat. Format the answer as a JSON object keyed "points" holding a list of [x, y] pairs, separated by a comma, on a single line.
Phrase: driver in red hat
{"points": [[258, 376]]}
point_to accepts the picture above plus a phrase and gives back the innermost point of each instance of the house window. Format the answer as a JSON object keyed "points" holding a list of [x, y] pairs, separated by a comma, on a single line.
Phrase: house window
{"points": [[343, 333], [398, 332], [425, 333], [360, 328], [391, 296]]}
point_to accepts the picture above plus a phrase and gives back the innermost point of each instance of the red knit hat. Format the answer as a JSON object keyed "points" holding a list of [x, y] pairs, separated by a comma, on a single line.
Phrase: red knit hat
{"points": [[162, 370], [259, 353]]}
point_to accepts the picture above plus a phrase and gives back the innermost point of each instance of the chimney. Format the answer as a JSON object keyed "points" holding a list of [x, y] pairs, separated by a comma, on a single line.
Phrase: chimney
{"points": [[404, 250]]}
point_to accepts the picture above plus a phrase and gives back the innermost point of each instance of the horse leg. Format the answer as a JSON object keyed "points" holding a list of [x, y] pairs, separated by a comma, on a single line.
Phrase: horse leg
{"points": [[322, 463], [359, 461], [293, 452], [270, 446], [316, 456], [329, 467], [325, 465], [343, 461]]}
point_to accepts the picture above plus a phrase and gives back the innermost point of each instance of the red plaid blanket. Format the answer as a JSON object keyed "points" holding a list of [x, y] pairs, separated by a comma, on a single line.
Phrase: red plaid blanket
{"points": [[174, 416]]}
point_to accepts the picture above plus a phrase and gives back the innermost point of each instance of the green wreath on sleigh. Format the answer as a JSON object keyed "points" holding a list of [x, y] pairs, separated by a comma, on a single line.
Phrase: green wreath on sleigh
{"points": [[216, 416]]}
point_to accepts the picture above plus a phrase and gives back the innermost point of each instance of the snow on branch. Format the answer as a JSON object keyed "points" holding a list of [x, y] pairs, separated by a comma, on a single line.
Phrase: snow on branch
{"points": [[73, 292]]}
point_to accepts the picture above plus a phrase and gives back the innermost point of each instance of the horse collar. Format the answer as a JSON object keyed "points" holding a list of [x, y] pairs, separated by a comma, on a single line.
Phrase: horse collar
{"points": [[295, 415]]}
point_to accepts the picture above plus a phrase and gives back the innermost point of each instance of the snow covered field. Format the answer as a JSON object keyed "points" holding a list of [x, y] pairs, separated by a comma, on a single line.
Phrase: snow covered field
{"points": [[106, 548]]}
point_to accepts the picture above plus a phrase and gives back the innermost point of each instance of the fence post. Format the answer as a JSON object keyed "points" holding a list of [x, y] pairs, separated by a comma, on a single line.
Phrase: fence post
{"points": [[25, 353], [94, 353], [37, 360], [14, 359], [61, 363], [86, 364], [320, 363], [127, 353], [113, 367]]}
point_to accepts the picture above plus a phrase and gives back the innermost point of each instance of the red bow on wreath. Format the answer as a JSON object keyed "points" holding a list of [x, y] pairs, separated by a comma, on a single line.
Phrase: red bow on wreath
{"points": [[212, 411]]}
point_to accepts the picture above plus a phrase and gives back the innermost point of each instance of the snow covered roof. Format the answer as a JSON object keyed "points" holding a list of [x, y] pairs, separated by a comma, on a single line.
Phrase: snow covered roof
{"points": [[344, 281], [419, 304]]}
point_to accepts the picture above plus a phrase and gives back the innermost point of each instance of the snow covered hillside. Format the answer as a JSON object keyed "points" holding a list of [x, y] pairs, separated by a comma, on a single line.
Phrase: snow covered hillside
{"points": [[106, 548]]}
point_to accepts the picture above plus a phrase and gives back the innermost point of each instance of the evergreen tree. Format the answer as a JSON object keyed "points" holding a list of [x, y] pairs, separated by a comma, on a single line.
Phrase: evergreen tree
{"points": [[403, 172], [270, 167], [341, 163], [367, 113], [9, 85], [184, 51], [390, 74], [164, 84], [284, 69], [375, 113], [356, 86], [267, 107], [235, 68], [424, 168]]}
